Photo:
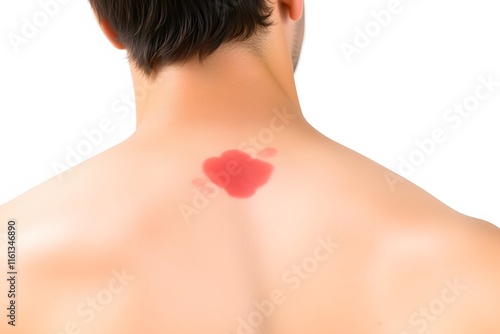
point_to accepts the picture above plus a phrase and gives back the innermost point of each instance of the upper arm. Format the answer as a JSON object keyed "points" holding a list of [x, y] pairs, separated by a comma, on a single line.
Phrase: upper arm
{"points": [[445, 277], [481, 313], [491, 276]]}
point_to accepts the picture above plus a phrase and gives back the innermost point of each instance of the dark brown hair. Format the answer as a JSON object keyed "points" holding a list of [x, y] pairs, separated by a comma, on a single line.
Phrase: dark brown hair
{"points": [[157, 33]]}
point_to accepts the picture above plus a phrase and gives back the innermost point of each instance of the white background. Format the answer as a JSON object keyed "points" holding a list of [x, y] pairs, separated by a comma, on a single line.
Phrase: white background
{"points": [[67, 78]]}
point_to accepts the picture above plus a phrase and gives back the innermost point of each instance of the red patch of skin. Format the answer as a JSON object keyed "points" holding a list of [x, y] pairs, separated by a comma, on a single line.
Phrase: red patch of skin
{"points": [[238, 173]]}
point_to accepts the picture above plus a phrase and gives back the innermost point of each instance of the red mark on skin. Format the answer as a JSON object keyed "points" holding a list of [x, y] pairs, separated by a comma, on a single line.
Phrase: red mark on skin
{"points": [[238, 173], [268, 153]]}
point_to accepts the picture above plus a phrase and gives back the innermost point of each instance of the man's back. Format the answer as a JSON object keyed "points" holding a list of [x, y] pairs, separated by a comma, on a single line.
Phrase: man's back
{"points": [[314, 239], [226, 212]]}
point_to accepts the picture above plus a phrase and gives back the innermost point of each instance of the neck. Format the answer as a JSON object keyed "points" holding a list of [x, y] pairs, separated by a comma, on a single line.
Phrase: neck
{"points": [[231, 87]]}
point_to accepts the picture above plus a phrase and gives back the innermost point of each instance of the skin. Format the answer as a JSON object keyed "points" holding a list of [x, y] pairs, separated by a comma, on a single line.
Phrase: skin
{"points": [[139, 240]]}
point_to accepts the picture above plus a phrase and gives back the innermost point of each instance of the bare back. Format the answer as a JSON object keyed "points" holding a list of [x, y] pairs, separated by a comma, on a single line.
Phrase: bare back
{"points": [[141, 239]]}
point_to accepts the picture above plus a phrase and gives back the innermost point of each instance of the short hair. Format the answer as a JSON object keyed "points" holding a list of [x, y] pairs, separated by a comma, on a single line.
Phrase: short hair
{"points": [[157, 33]]}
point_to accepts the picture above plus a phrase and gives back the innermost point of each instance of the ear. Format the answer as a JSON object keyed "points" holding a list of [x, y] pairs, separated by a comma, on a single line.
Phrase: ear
{"points": [[296, 8], [109, 32]]}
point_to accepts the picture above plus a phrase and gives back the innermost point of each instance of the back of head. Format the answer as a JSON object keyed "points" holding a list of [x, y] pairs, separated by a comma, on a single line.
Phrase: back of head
{"points": [[158, 33]]}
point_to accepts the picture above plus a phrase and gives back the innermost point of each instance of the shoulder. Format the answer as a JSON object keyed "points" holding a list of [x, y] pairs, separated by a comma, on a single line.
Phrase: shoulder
{"points": [[442, 275], [426, 266], [481, 261]]}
